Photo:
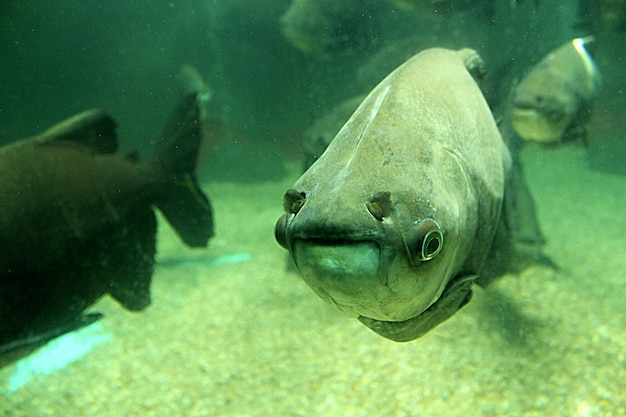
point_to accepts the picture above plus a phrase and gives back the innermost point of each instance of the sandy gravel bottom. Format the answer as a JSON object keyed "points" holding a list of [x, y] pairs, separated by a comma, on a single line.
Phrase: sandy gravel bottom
{"points": [[250, 339]]}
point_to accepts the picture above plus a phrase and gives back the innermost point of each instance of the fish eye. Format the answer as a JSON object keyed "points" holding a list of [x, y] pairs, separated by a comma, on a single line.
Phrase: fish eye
{"points": [[432, 244], [293, 201], [429, 239]]}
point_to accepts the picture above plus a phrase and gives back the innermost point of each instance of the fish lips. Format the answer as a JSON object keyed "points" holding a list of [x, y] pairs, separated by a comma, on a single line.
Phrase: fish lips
{"points": [[346, 268], [533, 125], [541, 121], [349, 275], [365, 273], [358, 272]]}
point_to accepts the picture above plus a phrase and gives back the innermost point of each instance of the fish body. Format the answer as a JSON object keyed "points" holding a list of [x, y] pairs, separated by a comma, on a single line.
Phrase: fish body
{"points": [[77, 221], [554, 98], [394, 222], [325, 28]]}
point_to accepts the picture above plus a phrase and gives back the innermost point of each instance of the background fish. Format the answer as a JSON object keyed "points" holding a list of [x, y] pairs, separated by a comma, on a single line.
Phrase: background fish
{"points": [[554, 99], [324, 28], [76, 221]]}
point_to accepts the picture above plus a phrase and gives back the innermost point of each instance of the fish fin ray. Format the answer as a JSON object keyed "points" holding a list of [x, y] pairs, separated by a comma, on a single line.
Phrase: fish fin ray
{"points": [[183, 203], [176, 151], [92, 129], [131, 262]]}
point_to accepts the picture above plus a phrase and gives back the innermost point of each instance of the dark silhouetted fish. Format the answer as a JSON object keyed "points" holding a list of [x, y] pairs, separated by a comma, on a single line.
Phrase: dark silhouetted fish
{"points": [[76, 222]]}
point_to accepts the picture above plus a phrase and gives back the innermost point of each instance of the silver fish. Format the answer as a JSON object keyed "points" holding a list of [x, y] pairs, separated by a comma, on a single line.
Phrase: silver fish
{"points": [[394, 222], [554, 99]]}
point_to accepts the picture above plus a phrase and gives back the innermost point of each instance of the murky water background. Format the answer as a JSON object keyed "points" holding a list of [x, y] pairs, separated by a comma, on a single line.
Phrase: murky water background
{"points": [[232, 330]]}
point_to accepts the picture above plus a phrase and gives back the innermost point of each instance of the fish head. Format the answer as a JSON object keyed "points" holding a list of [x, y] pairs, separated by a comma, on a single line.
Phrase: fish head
{"points": [[375, 230], [382, 256], [552, 96], [543, 108], [542, 115]]}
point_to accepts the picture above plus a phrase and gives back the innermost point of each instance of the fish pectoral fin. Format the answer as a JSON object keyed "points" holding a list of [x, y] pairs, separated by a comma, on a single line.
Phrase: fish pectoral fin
{"points": [[130, 280], [133, 293], [16, 349], [130, 262], [93, 130]]}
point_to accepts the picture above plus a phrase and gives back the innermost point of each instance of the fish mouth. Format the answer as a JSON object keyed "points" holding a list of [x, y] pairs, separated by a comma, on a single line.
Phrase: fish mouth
{"points": [[377, 272], [533, 125], [525, 105], [343, 272], [364, 262]]}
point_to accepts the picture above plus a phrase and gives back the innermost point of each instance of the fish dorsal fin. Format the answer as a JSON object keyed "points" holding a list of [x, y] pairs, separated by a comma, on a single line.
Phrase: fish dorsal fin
{"points": [[473, 63], [91, 129]]}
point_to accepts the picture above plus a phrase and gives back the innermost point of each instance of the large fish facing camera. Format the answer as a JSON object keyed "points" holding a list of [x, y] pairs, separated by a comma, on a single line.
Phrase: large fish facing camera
{"points": [[400, 216]]}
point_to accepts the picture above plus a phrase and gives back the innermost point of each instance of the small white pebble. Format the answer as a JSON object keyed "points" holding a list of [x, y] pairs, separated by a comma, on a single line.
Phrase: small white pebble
{"points": [[583, 409]]}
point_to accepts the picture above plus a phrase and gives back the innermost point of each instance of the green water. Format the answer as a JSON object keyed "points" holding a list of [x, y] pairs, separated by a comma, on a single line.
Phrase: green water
{"points": [[232, 329]]}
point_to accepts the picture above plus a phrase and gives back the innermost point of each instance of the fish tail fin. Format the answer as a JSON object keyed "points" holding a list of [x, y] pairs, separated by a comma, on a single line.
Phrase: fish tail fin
{"points": [[181, 200]]}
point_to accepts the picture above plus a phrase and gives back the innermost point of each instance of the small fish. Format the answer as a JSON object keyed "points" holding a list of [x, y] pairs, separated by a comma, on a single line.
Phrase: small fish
{"points": [[408, 205], [553, 101], [77, 222], [325, 28]]}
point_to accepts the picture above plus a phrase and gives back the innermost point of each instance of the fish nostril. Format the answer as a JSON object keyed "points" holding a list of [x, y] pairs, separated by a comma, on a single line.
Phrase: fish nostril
{"points": [[379, 205], [293, 201]]}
